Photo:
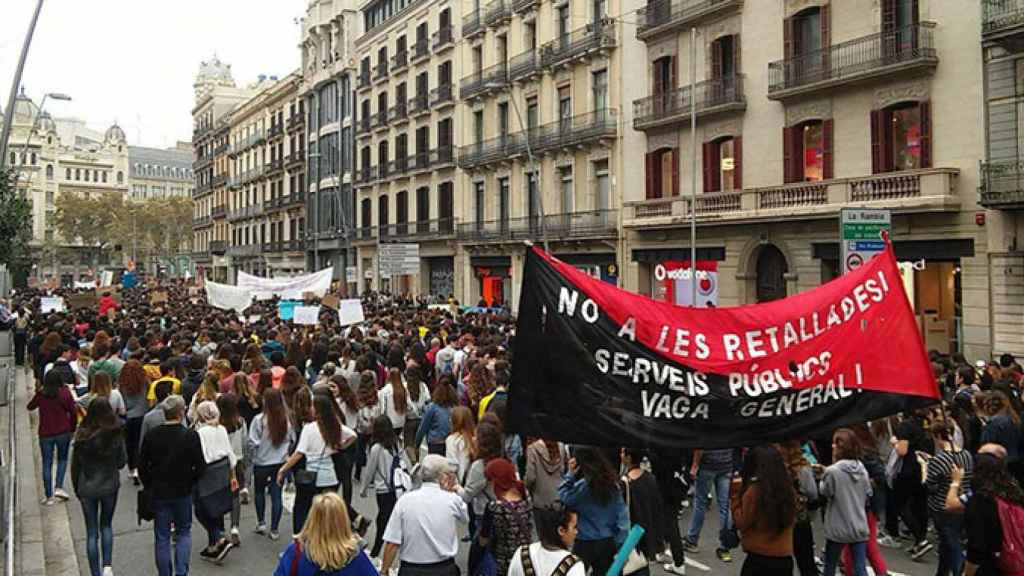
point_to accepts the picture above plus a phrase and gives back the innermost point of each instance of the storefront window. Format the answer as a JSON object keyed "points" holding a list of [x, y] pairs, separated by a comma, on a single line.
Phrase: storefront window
{"points": [[727, 164], [906, 137], [813, 152]]}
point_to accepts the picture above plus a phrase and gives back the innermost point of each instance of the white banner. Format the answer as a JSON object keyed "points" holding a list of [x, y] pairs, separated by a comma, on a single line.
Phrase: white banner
{"points": [[318, 283], [84, 285], [308, 315], [228, 297], [51, 304]]}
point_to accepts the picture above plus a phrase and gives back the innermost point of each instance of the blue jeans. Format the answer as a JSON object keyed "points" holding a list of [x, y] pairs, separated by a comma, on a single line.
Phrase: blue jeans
{"points": [[99, 512], [265, 478], [951, 556], [179, 512], [858, 550], [47, 445], [706, 479]]}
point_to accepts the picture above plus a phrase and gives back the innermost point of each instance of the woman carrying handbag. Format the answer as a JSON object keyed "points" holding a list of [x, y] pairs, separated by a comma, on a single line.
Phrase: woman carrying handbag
{"points": [[644, 508]]}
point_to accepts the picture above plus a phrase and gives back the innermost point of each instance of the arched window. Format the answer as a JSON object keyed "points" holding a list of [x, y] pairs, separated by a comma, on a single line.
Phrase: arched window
{"points": [[901, 137], [662, 173], [33, 158], [104, 176], [723, 170], [808, 151], [120, 177], [67, 173], [49, 171]]}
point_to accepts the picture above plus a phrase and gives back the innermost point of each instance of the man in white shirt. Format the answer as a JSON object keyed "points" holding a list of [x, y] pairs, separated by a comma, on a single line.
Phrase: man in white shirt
{"points": [[423, 529]]}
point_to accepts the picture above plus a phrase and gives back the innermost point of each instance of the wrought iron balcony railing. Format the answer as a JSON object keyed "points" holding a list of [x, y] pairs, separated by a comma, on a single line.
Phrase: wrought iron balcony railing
{"points": [[420, 50], [380, 71], [483, 81], [418, 104], [441, 95], [363, 81], [520, 6], [571, 131], [472, 24], [580, 43], [399, 61], [674, 105], [865, 57], [524, 66], [498, 12], [663, 15], [398, 112], [998, 16], [570, 225], [1002, 185], [443, 38]]}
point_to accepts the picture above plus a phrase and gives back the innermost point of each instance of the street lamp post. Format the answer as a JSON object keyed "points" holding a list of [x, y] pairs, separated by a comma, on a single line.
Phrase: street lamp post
{"points": [[5, 130]]}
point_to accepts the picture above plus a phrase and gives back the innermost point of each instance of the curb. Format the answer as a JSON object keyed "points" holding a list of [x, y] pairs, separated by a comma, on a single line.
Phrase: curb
{"points": [[55, 553], [29, 557]]}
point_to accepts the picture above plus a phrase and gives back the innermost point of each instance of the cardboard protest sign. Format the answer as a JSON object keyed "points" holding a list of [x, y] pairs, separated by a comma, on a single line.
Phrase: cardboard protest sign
{"points": [[350, 311], [307, 315], [157, 298], [331, 301], [82, 301]]}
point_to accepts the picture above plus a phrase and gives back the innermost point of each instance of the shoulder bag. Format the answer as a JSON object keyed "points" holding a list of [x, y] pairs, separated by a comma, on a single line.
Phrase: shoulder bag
{"points": [[304, 476], [636, 560]]}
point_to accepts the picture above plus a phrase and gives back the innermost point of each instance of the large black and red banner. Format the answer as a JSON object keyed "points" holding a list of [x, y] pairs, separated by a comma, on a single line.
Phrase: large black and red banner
{"points": [[595, 364]]}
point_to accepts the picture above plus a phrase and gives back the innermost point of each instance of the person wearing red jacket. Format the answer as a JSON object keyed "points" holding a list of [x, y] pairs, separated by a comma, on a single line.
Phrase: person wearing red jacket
{"points": [[56, 423], [107, 303]]}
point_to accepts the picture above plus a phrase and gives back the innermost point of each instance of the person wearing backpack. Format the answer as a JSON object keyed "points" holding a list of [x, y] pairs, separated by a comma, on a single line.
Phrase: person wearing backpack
{"points": [[385, 462], [993, 518], [550, 555]]}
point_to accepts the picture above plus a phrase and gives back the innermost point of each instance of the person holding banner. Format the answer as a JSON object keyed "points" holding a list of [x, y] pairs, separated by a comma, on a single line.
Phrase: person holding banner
{"points": [[590, 489], [763, 504]]}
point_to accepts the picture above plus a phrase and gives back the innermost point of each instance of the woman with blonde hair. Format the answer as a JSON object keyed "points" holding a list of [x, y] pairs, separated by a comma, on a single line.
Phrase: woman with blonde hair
{"points": [[103, 386], [225, 375], [460, 445], [208, 392], [326, 546]]}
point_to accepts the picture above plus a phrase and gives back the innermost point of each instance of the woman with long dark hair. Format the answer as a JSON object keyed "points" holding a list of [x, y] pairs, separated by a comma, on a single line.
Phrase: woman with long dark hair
{"points": [[993, 488], [269, 439], [248, 400], [394, 400], [96, 462], [317, 444], [591, 490], [56, 422], [49, 351], [378, 467], [1003, 428], [643, 502], [847, 487], [801, 476], [763, 504], [369, 409], [133, 384]]}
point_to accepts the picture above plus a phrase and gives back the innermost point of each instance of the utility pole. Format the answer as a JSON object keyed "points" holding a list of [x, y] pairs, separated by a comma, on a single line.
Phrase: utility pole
{"points": [[693, 172], [5, 133]]}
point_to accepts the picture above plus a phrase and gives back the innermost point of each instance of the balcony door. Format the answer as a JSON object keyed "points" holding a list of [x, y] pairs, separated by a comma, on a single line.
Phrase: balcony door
{"points": [[382, 214], [808, 151], [901, 137], [503, 204], [479, 205], [806, 38], [422, 210], [533, 203], [366, 218], [445, 206], [663, 82], [724, 68], [402, 213], [565, 109], [899, 28], [661, 172]]}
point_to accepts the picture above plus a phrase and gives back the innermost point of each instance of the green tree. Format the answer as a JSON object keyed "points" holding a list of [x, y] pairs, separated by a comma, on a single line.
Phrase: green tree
{"points": [[88, 220], [15, 228]]}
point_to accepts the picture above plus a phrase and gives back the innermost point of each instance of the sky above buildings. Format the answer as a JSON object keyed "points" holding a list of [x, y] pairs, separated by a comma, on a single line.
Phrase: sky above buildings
{"points": [[134, 62]]}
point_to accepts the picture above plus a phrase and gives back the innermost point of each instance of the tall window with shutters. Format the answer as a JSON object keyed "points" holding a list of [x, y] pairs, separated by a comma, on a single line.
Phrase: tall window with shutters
{"points": [[722, 162], [807, 151], [806, 38], [661, 170], [725, 66], [901, 137]]}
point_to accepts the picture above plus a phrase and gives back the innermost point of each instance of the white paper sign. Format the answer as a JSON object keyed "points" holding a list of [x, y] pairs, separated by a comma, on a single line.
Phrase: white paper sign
{"points": [[254, 318], [351, 312], [309, 315], [51, 304]]}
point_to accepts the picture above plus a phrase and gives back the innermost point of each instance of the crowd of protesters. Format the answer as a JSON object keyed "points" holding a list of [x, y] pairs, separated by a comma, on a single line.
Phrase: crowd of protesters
{"points": [[208, 409]]}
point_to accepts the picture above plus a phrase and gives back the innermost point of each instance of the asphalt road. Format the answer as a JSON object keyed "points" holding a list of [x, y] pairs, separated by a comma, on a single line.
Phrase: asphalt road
{"points": [[258, 555]]}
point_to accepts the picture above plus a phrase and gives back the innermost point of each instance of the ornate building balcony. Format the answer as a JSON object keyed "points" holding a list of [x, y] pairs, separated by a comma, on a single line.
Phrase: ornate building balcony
{"points": [[483, 82], [593, 224], [673, 107], [1002, 185], [472, 24], [903, 52], [660, 16], [420, 50], [928, 190], [442, 95], [499, 12], [443, 39], [580, 44], [400, 61], [1002, 23]]}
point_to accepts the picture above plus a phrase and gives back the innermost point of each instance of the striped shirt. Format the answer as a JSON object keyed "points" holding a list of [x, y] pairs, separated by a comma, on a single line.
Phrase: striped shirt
{"points": [[940, 471]]}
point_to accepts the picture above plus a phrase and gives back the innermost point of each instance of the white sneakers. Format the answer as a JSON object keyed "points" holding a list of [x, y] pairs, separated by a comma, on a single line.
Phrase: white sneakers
{"points": [[108, 571], [673, 569], [61, 495]]}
